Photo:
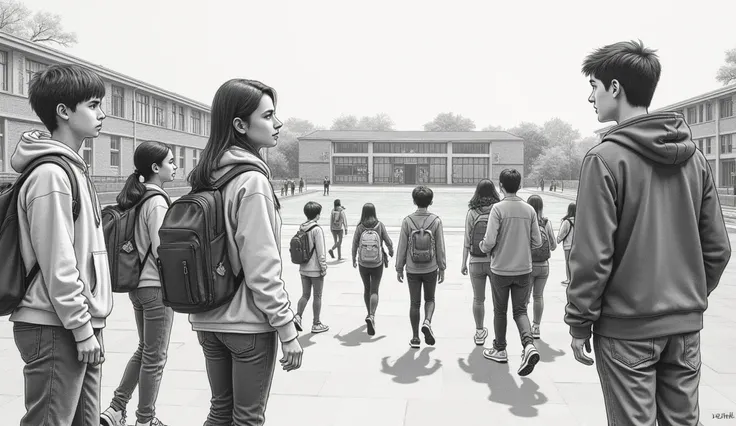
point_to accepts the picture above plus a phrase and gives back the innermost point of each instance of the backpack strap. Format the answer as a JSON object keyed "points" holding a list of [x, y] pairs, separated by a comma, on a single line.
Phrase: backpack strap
{"points": [[150, 193], [314, 243]]}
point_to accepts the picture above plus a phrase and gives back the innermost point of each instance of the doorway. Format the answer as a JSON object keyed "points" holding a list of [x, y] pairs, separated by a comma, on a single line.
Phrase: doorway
{"points": [[410, 174]]}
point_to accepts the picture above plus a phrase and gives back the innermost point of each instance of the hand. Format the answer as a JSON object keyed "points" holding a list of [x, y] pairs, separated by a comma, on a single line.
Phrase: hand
{"points": [[323, 272], [89, 351], [577, 350], [292, 358], [440, 276], [355, 264], [391, 253], [464, 270], [400, 276]]}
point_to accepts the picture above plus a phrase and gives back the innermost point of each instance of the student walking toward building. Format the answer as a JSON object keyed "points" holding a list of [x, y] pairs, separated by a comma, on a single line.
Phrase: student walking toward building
{"points": [[339, 227], [154, 166], [540, 262], [422, 250], [313, 271], [240, 338], [476, 223], [369, 258], [567, 232]]}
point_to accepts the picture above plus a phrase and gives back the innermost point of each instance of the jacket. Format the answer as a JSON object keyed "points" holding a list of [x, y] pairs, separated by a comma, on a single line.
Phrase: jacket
{"points": [[342, 221], [567, 233], [403, 258], [149, 221], [317, 265]]}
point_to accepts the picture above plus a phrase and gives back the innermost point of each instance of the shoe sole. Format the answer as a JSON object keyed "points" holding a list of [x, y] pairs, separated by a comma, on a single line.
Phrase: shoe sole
{"points": [[320, 331], [371, 328], [498, 360], [428, 337], [480, 342], [529, 367], [415, 345], [298, 327]]}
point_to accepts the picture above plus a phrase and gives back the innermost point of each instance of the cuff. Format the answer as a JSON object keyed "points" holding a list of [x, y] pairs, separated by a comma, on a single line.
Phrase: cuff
{"points": [[580, 332], [83, 333], [287, 332]]}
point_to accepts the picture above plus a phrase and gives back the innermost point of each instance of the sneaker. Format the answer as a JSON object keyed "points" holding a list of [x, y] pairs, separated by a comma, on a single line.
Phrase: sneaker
{"points": [[110, 417], [535, 331], [152, 422], [496, 355], [415, 342], [371, 325], [319, 328], [529, 358], [480, 336], [332, 255], [428, 335], [298, 322], [566, 282]]}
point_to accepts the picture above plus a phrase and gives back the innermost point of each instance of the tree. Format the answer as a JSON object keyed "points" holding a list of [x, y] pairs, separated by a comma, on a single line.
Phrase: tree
{"points": [[278, 164], [450, 122], [551, 164], [727, 73], [41, 27], [378, 122], [299, 126], [288, 145], [345, 122], [492, 128], [535, 142], [13, 15]]}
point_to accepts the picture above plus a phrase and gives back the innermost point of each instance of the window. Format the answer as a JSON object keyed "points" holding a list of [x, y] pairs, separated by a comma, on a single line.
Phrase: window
{"points": [[159, 117], [351, 147], [114, 151], [182, 157], [470, 148], [87, 152], [708, 145], [351, 169], [700, 145], [726, 107], [173, 116], [728, 173], [208, 125], [410, 148], [469, 169], [692, 116], [196, 122], [4, 70], [195, 155], [726, 144], [709, 111], [118, 102], [32, 67], [142, 113], [2, 144], [409, 170], [182, 123]]}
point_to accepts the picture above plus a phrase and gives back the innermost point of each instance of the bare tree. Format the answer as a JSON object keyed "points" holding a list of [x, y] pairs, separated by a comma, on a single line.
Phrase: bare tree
{"points": [[13, 15], [727, 73], [41, 27]]}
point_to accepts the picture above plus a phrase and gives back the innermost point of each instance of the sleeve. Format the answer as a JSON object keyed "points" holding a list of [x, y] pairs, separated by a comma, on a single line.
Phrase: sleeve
{"points": [[386, 239], [550, 235], [154, 220], [591, 258], [468, 227], [494, 224], [440, 243], [401, 249], [319, 242], [564, 230], [536, 236], [51, 223], [713, 234], [356, 241], [344, 220]]}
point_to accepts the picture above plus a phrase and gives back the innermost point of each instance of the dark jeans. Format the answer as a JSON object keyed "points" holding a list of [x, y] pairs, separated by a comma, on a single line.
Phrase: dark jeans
{"points": [[371, 281], [240, 368], [326, 191], [309, 285], [337, 236], [644, 380], [478, 274], [518, 287], [59, 389], [416, 282], [539, 280], [146, 366]]}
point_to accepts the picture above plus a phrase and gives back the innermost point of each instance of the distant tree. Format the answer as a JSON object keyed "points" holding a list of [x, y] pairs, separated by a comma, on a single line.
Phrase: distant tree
{"points": [[13, 15], [288, 144], [299, 126], [535, 142], [450, 122], [551, 164], [378, 122], [345, 122], [727, 73], [492, 128], [41, 27], [279, 165]]}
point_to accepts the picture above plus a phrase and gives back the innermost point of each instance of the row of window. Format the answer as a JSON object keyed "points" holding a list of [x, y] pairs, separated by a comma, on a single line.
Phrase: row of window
{"points": [[704, 112], [410, 170], [411, 148], [726, 143]]}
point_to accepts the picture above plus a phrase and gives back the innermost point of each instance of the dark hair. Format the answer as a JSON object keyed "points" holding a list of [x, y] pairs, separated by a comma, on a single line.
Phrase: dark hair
{"points": [[145, 156], [536, 202], [422, 196], [66, 84], [510, 180], [368, 217], [636, 67], [485, 195], [570, 211], [236, 98], [336, 203], [312, 209]]}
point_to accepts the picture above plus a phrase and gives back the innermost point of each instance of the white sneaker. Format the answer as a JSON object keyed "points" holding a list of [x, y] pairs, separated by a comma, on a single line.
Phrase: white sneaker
{"points": [[319, 328], [529, 358], [152, 422], [496, 355], [480, 336], [111, 417], [535, 331]]}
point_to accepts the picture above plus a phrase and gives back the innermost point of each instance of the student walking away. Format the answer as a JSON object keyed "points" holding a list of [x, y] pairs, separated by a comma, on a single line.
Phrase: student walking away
{"points": [[58, 320], [301, 184], [422, 250], [143, 195], [291, 185], [512, 234], [652, 246], [339, 227], [476, 223], [540, 262], [327, 186], [370, 258], [239, 339], [567, 232], [308, 250]]}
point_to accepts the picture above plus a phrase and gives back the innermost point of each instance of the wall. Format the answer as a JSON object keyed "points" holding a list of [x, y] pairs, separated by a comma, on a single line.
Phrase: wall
{"points": [[312, 167]]}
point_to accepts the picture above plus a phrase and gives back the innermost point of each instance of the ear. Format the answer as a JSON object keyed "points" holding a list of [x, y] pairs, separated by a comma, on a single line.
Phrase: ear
{"points": [[240, 125], [615, 88], [62, 111], [155, 168]]}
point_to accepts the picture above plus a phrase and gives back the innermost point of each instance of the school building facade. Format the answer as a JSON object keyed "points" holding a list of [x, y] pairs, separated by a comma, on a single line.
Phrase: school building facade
{"points": [[408, 157], [712, 120], [136, 112]]}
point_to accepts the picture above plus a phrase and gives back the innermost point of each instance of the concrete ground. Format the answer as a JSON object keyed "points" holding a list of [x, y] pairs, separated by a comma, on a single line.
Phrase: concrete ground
{"points": [[347, 377]]}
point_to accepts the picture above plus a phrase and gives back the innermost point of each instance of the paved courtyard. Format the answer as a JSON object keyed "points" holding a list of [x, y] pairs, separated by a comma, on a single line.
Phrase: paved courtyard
{"points": [[349, 378]]}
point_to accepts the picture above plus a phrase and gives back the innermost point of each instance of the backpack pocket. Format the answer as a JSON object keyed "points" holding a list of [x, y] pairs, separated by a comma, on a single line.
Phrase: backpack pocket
{"points": [[182, 282]]}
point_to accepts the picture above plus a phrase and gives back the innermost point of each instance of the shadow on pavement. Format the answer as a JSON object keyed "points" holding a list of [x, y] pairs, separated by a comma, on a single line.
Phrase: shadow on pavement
{"points": [[408, 369], [357, 337]]}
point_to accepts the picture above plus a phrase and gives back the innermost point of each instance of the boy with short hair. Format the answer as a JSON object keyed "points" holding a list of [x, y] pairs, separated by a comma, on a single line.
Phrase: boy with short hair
{"points": [[422, 250], [649, 248], [313, 272], [58, 326]]}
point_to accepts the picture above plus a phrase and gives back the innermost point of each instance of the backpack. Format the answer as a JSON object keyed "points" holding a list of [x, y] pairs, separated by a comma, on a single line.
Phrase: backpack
{"points": [[370, 252], [572, 226], [13, 278], [118, 225], [299, 247], [543, 253], [194, 266], [421, 242], [336, 219], [478, 232]]}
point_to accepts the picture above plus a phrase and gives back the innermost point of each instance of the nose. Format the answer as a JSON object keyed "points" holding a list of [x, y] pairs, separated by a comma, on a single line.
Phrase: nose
{"points": [[278, 123], [102, 115], [591, 99]]}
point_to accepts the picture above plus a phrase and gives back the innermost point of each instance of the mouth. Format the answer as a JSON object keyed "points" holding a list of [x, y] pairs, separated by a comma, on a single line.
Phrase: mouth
{"points": [[276, 136]]}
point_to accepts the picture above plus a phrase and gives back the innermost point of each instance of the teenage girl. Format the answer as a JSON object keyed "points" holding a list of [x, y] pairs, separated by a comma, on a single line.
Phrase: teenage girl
{"points": [[567, 231], [338, 222], [540, 270]]}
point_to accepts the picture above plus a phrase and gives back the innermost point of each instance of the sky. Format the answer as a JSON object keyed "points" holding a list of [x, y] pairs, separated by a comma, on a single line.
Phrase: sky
{"points": [[496, 62]]}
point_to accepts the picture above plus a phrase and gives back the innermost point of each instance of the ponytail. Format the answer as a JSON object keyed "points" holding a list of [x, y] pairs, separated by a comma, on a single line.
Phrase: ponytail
{"points": [[132, 191]]}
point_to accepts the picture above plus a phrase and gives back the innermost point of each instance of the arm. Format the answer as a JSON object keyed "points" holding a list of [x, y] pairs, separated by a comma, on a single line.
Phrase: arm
{"points": [[440, 246], [401, 249], [319, 247], [551, 236], [154, 219], [356, 242], [386, 239], [344, 220], [713, 235], [591, 258], [494, 224], [564, 230], [536, 237]]}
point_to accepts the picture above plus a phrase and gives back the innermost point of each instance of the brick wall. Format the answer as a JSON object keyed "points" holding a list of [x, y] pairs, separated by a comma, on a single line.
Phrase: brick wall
{"points": [[312, 167]]}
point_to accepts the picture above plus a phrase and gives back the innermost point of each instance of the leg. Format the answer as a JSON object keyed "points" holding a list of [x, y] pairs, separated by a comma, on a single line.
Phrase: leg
{"points": [[567, 264], [415, 296], [678, 378], [376, 275], [538, 292], [519, 298], [334, 239], [478, 282], [129, 381], [339, 244], [254, 362], [306, 291], [317, 286], [365, 276], [429, 282], [500, 295], [218, 361], [88, 407]]}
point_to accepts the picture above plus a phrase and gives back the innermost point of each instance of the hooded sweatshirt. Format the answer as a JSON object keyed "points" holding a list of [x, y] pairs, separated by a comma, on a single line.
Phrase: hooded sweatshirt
{"points": [[650, 243], [340, 222], [403, 256], [72, 288], [149, 221], [253, 228], [318, 262]]}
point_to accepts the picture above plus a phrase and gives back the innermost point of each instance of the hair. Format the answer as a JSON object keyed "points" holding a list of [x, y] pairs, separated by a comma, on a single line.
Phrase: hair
{"points": [[570, 211], [145, 156], [66, 84], [422, 196], [536, 202], [636, 67], [312, 209], [336, 203], [485, 195], [236, 98], [510, 180], [368, 217]]}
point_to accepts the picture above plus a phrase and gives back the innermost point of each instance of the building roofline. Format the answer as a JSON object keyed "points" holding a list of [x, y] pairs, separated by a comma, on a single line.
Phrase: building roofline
{"points": [[407, 135], [62, 57]]}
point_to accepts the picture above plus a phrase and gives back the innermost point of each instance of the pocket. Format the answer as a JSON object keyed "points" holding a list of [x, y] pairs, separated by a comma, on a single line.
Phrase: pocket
{"points": [[101, 273], [147, 295], [239, 344], [691, 353], [632, 352], [28, 341]]}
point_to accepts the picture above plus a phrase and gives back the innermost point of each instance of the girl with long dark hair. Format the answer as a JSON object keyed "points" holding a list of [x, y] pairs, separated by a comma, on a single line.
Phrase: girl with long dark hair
{"points": [[540, 270], [567, 231]]}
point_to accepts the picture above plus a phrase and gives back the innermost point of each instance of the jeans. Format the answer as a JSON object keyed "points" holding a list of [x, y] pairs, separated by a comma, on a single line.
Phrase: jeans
{"points": [[371, 280], [240, 368], [337, 236], [644, 380], [416, 282], [518, 287], [567, 264], [539, 280], [59, 389], [478, 273], [309, 284], [146, 366]]}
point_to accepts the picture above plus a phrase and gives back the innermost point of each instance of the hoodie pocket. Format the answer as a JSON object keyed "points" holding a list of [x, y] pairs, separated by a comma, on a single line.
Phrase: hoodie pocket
{"points": [[101, 271]]}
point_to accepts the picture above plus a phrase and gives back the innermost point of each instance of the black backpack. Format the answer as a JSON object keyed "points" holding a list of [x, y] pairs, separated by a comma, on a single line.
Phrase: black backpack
{"points": [[194, 266], [299, 246], [543, 253], [478, 232], [13, 279]]}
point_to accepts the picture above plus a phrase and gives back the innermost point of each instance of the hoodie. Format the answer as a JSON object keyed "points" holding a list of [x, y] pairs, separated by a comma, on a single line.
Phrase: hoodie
{"points": [[317, 265], [73, 288], [403, 256], [253, 227], [149, 221], [650, 243], [340, 222]]}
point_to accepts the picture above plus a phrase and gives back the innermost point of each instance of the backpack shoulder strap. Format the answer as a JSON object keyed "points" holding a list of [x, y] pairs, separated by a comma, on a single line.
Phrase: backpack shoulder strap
{"points": [[235, 171]]}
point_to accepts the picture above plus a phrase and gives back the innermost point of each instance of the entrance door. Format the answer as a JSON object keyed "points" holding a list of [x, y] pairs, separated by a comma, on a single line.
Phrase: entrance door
{"points": [[410, 174]]}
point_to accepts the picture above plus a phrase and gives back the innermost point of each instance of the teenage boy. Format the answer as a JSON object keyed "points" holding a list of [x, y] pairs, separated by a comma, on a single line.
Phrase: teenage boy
{"points": [[58, 325], [649, 248], [313, 272], [511, 234], [422, 250]]}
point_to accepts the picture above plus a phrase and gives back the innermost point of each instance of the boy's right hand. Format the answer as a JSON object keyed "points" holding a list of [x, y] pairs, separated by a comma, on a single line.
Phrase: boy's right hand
{"points": [[292, 358], [89, 351]]}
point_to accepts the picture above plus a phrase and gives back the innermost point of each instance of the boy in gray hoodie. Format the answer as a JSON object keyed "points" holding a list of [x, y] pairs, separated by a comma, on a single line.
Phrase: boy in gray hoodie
{"points": [[313, 272]]}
